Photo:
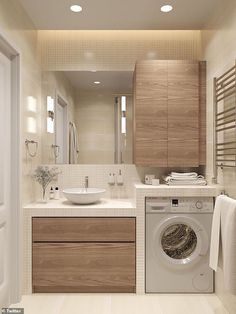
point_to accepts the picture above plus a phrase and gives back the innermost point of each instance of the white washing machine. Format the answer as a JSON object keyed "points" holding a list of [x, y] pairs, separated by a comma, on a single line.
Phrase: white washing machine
{"points": [[177, 245]]}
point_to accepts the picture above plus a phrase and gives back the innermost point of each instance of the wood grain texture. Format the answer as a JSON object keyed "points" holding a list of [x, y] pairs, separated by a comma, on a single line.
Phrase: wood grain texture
{"points": [[151, 152], [183, 100], [65, 229], [150, 113], [183, 153], [166, 115], [202, 112], [83, 267]]}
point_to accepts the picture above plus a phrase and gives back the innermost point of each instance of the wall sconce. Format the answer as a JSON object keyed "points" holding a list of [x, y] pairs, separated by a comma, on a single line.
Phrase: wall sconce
{"points": [[32, 104], [123, 114], [50, 114]]}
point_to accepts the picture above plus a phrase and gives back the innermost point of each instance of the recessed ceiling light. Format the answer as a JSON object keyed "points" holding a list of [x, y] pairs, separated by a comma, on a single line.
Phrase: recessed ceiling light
{"points": [[97, 82], [166, 8], [76, 8]]}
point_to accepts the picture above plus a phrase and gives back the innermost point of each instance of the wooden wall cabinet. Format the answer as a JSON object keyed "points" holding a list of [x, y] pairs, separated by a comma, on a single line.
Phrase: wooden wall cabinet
{"points": [[83, 254], [169, 110]]}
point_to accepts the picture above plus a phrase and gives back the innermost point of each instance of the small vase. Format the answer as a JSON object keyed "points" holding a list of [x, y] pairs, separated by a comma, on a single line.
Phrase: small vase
{"points": [[44, 196]]}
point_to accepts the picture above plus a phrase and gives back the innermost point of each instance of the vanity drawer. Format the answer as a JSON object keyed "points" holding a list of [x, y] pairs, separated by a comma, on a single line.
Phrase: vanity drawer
{"points": [[83, 267], [65, 229]]}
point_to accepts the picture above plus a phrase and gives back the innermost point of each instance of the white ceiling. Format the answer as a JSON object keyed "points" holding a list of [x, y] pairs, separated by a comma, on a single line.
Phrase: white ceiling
{"points": [[117, 82], [119, 15]]}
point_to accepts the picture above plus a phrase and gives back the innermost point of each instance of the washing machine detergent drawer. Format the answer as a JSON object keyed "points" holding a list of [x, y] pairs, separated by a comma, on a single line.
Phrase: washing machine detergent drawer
{"points": [[177, 253]]}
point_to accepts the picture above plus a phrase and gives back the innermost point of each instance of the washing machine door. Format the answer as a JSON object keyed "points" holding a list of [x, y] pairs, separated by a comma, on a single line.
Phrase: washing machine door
{"points": [[180, 241]]}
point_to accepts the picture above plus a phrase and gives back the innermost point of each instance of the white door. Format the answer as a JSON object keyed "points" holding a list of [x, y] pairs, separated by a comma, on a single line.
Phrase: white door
{"points": [[5, 161]]}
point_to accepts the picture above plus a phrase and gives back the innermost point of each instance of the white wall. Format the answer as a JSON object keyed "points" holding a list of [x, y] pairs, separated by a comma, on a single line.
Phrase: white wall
{"points": [[219, 49]]}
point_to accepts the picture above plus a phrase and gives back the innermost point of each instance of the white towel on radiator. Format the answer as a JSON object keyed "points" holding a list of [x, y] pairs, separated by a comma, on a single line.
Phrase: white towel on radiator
{"points": [[224, 221]]}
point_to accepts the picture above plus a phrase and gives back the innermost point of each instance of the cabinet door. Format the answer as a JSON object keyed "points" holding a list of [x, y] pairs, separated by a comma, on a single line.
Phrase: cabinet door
{"points": [[83, 267], [83, 229], [150, 113], [183, 113], [202, 112]]}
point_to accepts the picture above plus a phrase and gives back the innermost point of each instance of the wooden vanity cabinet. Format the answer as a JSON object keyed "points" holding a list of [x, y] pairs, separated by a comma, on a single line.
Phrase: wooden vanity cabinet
{"points": [[83, 254], [169, 113]]}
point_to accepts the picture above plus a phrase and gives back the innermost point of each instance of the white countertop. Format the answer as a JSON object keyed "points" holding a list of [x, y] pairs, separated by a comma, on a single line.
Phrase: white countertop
{"points": [[105, 203], [179, 190]]}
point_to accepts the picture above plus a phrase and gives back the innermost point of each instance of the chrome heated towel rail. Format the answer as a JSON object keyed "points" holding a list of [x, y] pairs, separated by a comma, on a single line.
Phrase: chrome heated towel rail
{"points": [[225, 121]]}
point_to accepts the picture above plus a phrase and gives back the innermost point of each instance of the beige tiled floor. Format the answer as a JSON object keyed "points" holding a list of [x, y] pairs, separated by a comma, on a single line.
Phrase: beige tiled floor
{"points": [[121, 304]]}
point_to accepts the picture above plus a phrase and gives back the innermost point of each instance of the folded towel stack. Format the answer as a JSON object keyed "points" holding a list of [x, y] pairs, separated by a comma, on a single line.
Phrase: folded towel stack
{"points": [[187, 178]]}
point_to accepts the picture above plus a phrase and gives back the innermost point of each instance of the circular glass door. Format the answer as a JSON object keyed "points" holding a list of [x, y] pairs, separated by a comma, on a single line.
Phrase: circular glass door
{"points": [[179, 241]]}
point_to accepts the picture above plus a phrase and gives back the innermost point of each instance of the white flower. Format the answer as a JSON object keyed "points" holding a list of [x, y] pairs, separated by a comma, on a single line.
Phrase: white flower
{"points": [[45, 175]]}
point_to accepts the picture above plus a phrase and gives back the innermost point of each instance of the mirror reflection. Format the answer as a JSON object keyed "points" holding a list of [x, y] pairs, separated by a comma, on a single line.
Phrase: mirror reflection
{"points": [[88, 117]]}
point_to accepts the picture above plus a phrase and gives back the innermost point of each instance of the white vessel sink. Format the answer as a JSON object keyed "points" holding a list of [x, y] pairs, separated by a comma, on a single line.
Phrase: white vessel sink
{"points": [[83, 196]]}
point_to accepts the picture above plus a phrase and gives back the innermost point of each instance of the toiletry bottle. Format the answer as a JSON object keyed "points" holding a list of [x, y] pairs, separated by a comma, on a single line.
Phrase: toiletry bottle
{"points": [[56, 193], [120, 180], [51, 193], [111, 179]]}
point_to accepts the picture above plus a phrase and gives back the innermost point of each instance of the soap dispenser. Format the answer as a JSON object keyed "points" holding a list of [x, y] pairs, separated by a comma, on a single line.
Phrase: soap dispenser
{"points": [[111, 179], [120, 179]]}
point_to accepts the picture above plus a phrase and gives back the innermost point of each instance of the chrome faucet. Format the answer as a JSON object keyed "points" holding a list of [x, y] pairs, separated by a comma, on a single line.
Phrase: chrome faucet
{"points": [[86, 182]]}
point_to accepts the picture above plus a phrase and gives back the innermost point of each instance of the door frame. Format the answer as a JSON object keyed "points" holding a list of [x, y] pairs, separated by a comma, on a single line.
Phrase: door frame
{"points": [[13, 54], [64, 103]]}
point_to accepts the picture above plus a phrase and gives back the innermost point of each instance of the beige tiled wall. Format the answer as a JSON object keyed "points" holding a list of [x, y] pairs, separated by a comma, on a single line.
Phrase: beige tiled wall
{"points": [[114, 50], [219, 49], [53, 83], [18, 29], [94, 117], [74, 175], [95, 121]]}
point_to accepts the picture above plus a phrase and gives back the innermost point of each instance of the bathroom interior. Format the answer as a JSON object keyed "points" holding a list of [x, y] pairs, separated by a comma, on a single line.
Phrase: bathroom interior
{"points": [[118, 156]]}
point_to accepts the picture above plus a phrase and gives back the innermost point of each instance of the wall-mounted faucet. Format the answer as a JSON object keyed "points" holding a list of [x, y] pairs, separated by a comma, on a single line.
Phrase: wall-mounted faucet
{"points": [[86, 182]]}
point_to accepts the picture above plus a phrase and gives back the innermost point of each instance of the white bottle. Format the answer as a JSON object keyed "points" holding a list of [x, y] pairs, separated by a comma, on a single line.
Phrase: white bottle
{"points": [[120, 179], [111, 179], [51, 193], [56, 193]]}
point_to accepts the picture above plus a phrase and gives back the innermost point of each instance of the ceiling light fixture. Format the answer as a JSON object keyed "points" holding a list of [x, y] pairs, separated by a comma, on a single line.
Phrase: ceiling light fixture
{"points": [[166, 8], [97, 82], [76, 8]]}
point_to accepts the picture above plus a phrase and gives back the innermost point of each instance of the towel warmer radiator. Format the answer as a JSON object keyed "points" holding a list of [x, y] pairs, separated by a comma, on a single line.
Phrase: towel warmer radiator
{"points": [[225, 121]]}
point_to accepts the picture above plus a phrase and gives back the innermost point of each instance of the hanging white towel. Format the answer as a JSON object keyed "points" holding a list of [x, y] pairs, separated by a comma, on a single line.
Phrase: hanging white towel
{"points": [[228, 233], [224, 221], [215, 233], [73, 144]]}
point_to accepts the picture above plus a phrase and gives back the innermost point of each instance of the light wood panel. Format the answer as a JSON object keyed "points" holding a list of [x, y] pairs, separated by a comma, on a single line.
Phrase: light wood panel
{"points": [[183, 113], [202, 113], [183, 153], [169, 114], [150, 140], [64, 229], [83, 267]]}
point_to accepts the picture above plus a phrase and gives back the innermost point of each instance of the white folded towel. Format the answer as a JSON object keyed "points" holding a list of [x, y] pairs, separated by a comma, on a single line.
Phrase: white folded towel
{"points": [[182, 178], [184, 174], [187, 182], [224, 221]]}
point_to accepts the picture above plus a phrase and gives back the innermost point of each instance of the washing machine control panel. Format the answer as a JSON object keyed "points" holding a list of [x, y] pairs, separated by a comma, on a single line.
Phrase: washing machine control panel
{"points": [[180, 204]]}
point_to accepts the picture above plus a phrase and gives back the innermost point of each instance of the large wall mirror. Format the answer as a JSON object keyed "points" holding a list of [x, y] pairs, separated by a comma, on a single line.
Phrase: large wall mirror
{"points": [[88, 117]]}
